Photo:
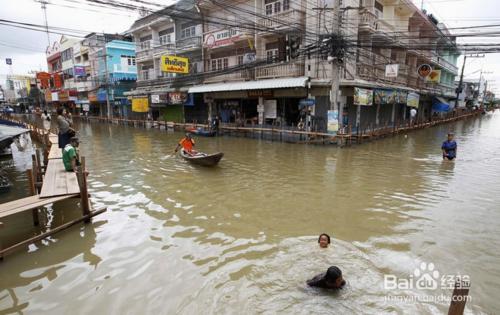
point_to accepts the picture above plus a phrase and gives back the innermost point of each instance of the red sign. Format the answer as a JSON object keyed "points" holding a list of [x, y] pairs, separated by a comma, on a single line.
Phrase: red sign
{"points": [[44, 79], [58, 83], [424, 70]]}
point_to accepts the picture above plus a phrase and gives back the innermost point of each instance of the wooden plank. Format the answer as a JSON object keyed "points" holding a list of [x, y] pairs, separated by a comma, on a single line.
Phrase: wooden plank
{"points": [[51, 232], [58, 182], [55, 152], [54, 139], [28, 203]]}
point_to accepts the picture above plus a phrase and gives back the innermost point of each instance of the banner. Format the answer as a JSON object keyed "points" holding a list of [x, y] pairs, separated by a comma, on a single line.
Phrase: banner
{"points": [[434, 76], [80, 71], [173, 64], [63, 96], [270, 109], [413, 100], [48, 96], [159, 98], [383, 97], [333, 121], [58, 82], [177, 98], [391, 71], [140, 105], [44, 79], [363, 97]]}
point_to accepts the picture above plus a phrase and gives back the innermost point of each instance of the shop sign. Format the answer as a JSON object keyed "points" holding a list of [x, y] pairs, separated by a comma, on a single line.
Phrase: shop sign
{"points": [[55, 97], [307, 102], [58, 82], [92, 97], [159, 98], [260, 93], [434, 76], [260, 108], [383, 97], [221, 38], [63, 96], [424, 70], [140, 104], [80, 71], [44, 79], [270, 109], [48, 96], [391, 71], [413, 100], [177, 98], [363, 97], [86, 107], [333, 121], [174, 64]]}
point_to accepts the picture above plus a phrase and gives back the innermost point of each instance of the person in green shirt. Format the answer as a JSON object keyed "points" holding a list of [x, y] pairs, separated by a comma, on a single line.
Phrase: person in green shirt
{"points": [[70, 155]]}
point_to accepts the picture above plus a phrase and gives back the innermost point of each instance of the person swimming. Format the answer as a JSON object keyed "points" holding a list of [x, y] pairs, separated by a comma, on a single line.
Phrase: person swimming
{"points": [[331, 279], [324, 240]]}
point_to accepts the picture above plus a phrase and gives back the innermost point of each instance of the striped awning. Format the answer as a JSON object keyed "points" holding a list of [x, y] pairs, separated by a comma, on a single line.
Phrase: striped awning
{"points": [[251, 85]]}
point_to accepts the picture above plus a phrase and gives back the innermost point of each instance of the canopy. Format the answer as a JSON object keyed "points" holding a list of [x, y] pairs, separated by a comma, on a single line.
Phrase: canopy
{"points": [[251, 85], [440, 105]]}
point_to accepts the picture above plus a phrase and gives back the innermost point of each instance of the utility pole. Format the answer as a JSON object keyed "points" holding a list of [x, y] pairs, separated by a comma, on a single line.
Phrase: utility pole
{"points": [[460, 83], [46, 21], [106, 76]]}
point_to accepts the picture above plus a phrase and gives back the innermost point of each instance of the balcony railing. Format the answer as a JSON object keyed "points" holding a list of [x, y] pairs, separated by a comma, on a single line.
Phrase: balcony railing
{"points": [[141, 46], [241, 75], [189, 43], [144, 55], [145, 75], [285, 20], [292, 69], [166, 48]]}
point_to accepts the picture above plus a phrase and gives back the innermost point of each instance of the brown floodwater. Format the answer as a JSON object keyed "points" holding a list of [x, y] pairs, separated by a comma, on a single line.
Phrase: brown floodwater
{"points": [[241, 238]]}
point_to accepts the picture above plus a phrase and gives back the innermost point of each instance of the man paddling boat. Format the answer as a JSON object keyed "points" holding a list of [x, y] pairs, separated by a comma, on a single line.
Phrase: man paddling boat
{"points": [[187, 144]]}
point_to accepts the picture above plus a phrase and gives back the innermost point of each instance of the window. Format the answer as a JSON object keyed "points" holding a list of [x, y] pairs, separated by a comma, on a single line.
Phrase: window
{"points": [[286, 5], [276, 6], [269, 9], [67, 54], [379, 10], [219, 64], [272, 55], [165, 39], [188, 32], [240, 60]]}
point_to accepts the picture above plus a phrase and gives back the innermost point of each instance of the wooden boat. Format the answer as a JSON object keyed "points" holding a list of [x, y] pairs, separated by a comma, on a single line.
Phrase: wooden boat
{"points": [[202, 132], [202, 158]]}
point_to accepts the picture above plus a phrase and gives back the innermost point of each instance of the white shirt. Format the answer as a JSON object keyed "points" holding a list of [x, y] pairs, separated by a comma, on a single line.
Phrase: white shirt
{"points": [[413, 113]]}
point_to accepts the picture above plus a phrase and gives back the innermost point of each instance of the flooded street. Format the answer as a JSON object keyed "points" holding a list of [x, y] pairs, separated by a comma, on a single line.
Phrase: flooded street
{"points": [[241, 238]]}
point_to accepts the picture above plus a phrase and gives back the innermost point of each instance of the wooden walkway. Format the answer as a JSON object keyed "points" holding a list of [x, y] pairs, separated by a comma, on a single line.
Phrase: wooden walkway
{"points": [[56, 185]]}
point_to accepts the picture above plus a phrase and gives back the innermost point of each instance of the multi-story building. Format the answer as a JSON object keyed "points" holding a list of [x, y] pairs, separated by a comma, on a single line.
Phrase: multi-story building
{"points": [[254, 70], [118, 72], [165, 36], [93, 46], [17, 89]]}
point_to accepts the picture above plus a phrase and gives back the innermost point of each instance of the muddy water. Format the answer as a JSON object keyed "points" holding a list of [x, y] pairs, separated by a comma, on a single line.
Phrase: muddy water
{"points": [[241, 238]]}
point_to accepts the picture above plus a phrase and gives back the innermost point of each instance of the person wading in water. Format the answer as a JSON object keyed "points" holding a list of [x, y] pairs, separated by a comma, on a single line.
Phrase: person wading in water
{"points": [[449, 148]]}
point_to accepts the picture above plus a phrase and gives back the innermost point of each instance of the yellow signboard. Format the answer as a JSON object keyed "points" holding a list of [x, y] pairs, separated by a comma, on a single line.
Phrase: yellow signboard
{"points": [[140, 105], [435, 76], [174, 64]]}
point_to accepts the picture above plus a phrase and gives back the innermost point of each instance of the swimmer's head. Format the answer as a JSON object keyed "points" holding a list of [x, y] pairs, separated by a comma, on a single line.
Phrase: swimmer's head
{"points": [[333, 278], [324, 240]]}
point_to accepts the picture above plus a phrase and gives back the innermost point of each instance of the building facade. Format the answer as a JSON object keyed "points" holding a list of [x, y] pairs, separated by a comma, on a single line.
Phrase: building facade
{"points": [[167, 37]]}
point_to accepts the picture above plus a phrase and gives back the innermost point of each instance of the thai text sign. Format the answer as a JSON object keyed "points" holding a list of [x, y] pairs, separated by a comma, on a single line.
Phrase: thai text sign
{"points": [[412, 100], [177, 98], [363, 97], [434, 76], [221, 38], [174, 64], [140, 105]]}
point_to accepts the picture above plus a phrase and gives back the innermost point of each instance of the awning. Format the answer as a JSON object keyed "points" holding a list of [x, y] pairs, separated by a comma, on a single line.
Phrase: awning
{"points": [[251, 85], [440, 105]]}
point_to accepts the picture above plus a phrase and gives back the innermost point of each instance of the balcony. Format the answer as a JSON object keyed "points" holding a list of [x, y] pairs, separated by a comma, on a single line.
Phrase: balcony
{"points": [[241, 75], [290, 19], [190, 43], [164, 49], [145, 75], [291, 69]]}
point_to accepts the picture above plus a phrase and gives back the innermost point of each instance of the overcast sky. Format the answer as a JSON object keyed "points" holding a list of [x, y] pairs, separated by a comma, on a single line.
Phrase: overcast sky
{"points": [[27, 47]]}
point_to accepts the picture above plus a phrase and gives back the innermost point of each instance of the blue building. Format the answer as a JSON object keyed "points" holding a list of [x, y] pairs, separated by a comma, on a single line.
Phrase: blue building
{"points": [[119, 58]]}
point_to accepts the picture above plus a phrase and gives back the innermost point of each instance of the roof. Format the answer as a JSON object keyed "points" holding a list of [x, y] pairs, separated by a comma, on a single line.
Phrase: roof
{"points": [[179, 6], [251, 85]]}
